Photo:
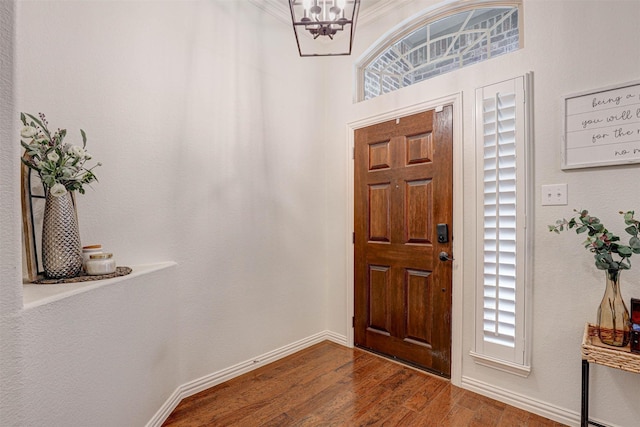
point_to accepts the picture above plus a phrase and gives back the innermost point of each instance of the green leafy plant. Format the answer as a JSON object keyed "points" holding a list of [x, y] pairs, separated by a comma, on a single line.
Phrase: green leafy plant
{"points": [[61, 166], [603, 243]]}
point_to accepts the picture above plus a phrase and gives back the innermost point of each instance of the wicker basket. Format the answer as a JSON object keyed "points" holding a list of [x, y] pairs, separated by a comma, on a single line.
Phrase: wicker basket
{"points": [[594, 351]]}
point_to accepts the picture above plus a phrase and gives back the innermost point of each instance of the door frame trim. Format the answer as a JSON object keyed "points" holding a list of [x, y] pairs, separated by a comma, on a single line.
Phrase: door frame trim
{"points": [[458, 180]]}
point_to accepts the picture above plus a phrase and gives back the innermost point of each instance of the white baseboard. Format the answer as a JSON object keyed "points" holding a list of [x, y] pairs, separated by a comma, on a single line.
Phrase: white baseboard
{"points": [[544, 409], [336, 338], [208, 381], [166, 409]]}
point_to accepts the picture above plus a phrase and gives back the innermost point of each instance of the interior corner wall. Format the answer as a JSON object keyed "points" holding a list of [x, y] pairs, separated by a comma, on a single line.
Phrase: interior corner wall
{"points": [[570, 47], [10, 295], [10, 235], [210, 158]]}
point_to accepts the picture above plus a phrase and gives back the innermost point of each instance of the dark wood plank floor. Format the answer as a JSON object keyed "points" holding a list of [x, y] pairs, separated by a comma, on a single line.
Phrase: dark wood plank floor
{"points": [[331, 385]]}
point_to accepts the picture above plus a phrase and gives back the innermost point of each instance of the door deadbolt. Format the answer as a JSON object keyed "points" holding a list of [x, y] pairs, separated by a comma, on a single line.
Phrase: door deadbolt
{"points": [[443, 233]]}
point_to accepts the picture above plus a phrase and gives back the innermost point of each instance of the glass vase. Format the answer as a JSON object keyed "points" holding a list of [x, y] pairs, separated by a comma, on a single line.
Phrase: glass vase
{"points": [[61, 248], [613, 315]]}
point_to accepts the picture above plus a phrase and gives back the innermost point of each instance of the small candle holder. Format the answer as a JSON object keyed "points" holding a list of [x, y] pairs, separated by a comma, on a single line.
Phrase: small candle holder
{"points": [[99, 264]]}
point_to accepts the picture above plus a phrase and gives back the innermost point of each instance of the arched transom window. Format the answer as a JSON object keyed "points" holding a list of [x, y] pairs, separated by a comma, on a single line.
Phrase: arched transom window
{"points": [[441, 44]]}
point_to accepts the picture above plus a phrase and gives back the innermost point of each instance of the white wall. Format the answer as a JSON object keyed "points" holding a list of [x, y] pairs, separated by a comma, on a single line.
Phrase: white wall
{"points": [[10, 272], [570, 46], [210, 158]]}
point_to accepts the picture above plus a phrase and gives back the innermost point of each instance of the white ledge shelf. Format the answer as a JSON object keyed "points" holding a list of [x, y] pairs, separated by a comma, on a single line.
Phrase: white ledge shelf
{"points": [[37, 295]]}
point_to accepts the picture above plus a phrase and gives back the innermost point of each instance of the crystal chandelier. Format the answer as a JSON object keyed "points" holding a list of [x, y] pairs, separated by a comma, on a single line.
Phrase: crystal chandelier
{"points": [[327, 21]]}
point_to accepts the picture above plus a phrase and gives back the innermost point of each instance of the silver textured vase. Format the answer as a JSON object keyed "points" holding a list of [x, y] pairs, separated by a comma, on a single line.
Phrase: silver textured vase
{"points": [[61, 248]]}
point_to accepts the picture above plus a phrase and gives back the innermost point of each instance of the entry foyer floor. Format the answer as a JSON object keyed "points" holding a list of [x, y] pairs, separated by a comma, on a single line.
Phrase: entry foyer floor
{"points": [[331, 385]]}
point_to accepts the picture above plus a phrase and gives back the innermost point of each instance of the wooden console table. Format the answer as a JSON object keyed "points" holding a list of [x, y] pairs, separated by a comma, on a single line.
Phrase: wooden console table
{"points": [[594, 351]]}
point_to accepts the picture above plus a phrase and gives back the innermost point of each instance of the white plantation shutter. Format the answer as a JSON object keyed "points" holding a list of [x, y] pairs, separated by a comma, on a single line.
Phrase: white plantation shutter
{"points": [[499, 191], [502, 191]]}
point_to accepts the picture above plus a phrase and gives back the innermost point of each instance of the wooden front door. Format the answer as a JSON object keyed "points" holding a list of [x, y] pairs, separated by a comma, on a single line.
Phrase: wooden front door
{"points": [[403, 191]]}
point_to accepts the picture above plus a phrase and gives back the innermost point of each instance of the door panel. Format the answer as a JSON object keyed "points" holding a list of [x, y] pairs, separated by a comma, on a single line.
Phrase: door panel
{"points": [[379, 212], [378, 291], [403, 189], [419, 196], [419, 307]]}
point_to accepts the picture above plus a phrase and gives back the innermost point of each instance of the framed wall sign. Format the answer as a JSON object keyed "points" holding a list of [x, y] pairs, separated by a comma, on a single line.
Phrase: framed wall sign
{"points": [[602, 127]]}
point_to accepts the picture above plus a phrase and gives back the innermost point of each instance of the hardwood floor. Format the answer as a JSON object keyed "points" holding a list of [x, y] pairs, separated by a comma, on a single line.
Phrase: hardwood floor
{"points": [[331, 385]]}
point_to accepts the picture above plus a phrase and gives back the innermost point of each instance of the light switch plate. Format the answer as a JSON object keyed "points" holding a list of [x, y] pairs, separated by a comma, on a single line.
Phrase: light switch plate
{"points": [[554, 195]]}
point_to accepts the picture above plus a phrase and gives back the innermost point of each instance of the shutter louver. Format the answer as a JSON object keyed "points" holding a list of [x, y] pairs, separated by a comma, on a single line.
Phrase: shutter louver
{"points": [[499, 190]]}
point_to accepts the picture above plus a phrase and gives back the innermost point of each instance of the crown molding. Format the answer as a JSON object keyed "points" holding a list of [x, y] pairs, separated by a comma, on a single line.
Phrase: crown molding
{"points": [[277, 8], [382, 7]]}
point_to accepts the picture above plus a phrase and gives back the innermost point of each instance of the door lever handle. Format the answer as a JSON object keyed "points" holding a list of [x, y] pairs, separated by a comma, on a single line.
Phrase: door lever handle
{"points": [[445, 256]]}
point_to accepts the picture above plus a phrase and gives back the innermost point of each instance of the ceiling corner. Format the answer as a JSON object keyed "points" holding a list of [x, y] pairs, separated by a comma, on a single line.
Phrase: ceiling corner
{"points": [[277, 8], [370, 10]]}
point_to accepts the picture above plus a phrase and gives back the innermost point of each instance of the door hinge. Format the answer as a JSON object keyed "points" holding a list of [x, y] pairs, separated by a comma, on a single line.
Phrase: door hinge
{"points": [[353, 321], [353, 153], [353, 237]]}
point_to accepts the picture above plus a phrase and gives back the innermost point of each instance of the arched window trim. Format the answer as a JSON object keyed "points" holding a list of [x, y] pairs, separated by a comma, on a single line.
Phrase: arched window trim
{"points": [[422, 19]]}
